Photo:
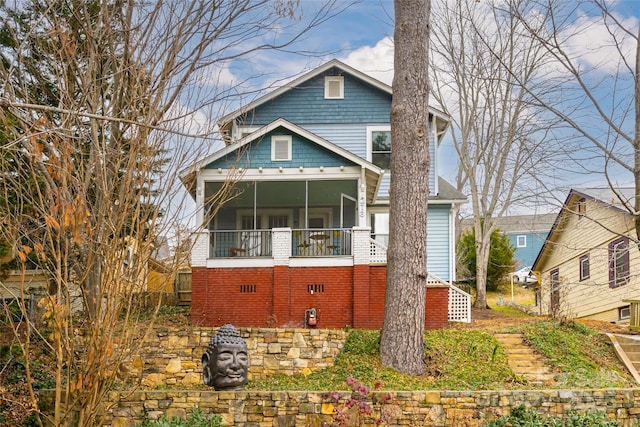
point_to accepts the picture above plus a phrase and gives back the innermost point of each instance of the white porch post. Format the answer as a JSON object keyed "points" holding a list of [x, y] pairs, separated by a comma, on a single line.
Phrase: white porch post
{"points": [[281, 245], [200, 249], [362, 203], [361, 245]]}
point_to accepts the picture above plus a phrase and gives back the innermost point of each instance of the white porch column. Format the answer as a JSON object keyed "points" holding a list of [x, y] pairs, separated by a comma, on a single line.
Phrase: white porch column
{"points": [[200, 249], [281, 245], [200, 203], [362, 203], [361, 246]]}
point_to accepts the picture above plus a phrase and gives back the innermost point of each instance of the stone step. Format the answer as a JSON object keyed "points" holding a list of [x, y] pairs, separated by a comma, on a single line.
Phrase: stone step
{"points": [[523, 361]]}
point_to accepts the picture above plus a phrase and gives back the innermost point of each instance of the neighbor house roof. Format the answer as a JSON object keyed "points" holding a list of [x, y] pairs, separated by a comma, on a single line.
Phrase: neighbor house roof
{"points": [[606, 196]]}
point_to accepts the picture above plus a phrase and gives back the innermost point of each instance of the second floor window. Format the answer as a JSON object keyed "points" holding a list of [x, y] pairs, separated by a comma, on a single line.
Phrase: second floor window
{"points": [[379, 146]]}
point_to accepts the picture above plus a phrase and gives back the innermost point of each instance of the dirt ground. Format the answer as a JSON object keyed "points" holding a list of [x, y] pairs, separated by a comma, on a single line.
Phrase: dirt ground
{"points": [[492, 320]]}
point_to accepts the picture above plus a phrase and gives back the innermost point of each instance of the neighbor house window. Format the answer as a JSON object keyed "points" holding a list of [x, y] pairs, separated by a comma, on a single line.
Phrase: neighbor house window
{"points": [[618, 262], [624, 313], [379, 146], [281, 148], [521, 242], [584, 267], [554, 287], [334, 87]]}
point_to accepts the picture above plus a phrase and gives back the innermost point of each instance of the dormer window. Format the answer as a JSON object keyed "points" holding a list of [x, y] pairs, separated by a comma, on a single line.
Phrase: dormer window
{"points": [[334, 87], [281, 148]]}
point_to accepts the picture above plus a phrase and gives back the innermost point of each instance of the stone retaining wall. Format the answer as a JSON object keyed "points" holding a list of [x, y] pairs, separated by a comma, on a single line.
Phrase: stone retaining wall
{"points": [[172, 356], [412, 408]]}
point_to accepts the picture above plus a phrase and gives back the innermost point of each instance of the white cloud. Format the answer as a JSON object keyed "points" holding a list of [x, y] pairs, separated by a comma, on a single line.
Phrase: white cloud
{"points": [[376, 61], [217, 75], [593, 45]]}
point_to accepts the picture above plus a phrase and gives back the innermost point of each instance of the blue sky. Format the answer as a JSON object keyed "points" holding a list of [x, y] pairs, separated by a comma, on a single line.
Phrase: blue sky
{"points": [[361, 36]]}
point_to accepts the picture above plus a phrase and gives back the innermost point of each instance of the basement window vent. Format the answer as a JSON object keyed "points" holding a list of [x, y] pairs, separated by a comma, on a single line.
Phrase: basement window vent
{"points": [[248, 289], [315, 288]]}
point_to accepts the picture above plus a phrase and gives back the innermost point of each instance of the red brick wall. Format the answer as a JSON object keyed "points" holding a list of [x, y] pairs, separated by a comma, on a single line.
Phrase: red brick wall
{"points": [[279, 296], [241, 296], [332, 297], [437, 308]]}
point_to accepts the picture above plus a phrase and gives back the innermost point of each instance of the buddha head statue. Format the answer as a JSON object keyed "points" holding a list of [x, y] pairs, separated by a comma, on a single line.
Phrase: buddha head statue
{"points": [[225, 364]]}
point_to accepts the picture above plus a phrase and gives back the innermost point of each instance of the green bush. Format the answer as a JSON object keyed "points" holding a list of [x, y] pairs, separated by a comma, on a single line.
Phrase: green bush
{"points": [[523, 417], [196, 419], [500, 261]]}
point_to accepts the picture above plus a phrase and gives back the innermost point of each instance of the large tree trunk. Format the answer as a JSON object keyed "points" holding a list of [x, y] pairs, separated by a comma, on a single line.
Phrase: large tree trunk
{"points": [[402, 340]]}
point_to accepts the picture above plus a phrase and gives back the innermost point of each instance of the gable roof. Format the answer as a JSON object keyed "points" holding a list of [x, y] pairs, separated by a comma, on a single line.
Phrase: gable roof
{"points": [[373, 173], [601, 195], [443, 121], [534, 223]]}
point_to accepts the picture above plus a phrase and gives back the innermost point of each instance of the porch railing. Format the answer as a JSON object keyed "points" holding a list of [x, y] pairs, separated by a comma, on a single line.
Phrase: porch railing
{"points": [[377, 252], [240, 243], [321, 242], [258, 243]]}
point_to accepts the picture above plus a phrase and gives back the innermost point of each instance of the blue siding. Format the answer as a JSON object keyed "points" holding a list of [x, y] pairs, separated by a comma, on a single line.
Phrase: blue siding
{"points": [[305, 104], [438, 241], [351, 136], [526, 256], [303, 153]]}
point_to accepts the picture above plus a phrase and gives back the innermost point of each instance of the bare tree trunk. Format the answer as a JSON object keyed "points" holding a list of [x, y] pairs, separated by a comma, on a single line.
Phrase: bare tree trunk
{"points": [[402, 340], [483, 246], [636, 142]]}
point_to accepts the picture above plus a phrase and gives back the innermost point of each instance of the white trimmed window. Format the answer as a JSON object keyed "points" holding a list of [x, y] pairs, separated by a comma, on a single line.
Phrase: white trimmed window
{"points": [[280, 148], [334, 87], [522, 241], [379, 146]]}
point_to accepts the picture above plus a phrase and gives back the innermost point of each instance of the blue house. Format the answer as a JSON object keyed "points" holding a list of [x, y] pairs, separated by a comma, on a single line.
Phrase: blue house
{"points": [[305, 226]]}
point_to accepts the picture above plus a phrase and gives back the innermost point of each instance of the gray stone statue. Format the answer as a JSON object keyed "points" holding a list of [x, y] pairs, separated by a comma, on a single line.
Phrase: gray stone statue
{"points": [[225, 364]]}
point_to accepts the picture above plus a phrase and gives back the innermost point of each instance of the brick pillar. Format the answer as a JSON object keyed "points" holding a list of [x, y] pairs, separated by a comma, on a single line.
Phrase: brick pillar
{"points": [[361, 279], [281, 284], [198, 294]]}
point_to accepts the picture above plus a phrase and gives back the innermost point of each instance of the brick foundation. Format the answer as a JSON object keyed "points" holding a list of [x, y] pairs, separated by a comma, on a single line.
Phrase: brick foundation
{"points": [[279, 296]]}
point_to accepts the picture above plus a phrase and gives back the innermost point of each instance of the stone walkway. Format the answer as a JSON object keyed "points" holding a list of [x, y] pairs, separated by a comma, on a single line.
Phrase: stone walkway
{"points": [[523, 360]]}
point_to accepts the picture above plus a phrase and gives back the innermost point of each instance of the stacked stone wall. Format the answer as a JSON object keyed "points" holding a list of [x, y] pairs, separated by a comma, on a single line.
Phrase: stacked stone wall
{"points": [[172, 356], [410, 408]]}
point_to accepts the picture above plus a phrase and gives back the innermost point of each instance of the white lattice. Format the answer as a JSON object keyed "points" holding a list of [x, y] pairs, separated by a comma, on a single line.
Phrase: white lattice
{"points": [[377, 252], [459, 305]]}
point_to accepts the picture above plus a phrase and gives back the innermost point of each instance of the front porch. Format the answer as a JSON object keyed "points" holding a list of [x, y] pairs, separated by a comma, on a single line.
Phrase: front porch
{"points": [[271, 277]]}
